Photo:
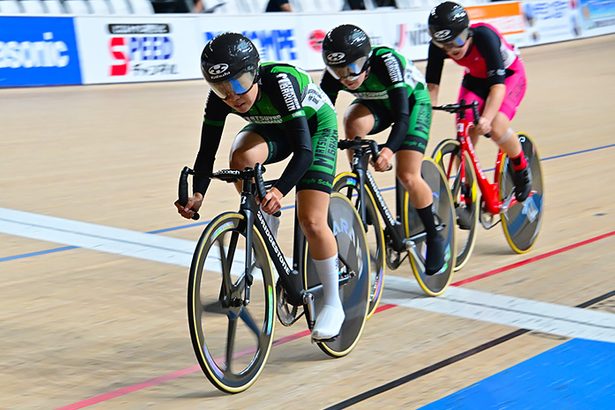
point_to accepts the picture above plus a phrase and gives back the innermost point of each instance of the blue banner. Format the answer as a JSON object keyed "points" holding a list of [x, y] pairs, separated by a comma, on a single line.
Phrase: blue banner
{"points": [[38, 51], [597, 13]]}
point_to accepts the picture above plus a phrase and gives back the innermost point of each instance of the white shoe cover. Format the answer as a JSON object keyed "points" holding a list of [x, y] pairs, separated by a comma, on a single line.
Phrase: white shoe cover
{"points": [[329, 322]]}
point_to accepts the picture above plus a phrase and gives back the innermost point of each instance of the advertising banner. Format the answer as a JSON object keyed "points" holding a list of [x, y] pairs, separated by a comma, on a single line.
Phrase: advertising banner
{"points": [[38, 51], [274, 34], [594, 16], [548, 21], [407, 32], [109, 49], [506, 17], [126, 49]]}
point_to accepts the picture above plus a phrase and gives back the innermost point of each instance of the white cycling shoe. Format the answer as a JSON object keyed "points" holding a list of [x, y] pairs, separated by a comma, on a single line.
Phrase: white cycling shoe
{"points": [[328, 323]]}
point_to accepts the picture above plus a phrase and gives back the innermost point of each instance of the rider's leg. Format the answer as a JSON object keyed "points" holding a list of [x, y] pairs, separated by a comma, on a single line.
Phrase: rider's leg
{"points": [[501, 132], [508, 141], [408, 160], [312, 210], [408, 166], [250, 148], [358, 122]]}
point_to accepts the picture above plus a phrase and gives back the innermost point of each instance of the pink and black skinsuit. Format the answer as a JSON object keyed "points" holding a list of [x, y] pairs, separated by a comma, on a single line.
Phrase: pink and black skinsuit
{"points": [[490, 60]]}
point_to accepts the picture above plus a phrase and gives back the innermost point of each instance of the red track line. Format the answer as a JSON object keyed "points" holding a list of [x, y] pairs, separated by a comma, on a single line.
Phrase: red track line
{"points": [[532, 259], [286, 339], [132, 388]]}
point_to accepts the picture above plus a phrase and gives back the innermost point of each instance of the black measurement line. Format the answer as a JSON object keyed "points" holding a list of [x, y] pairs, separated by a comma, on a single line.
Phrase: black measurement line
{"points": [[453, 359]]}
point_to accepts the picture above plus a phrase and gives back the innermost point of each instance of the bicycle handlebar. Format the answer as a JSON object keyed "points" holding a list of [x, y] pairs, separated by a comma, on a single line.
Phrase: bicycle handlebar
{"points": [[363, 145], [182, 190], [234, 175], [460, 109]]}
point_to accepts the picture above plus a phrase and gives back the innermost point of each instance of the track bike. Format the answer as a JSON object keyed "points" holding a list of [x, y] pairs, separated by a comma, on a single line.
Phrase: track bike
{"points": [[232, 296], [521, 221], [395, 238]]}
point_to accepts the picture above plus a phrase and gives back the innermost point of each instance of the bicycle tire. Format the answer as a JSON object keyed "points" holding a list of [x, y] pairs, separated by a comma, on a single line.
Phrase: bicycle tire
{"points": [[465, 197], [433, 285], [354, 294], [521, 222], [235, 367], [346, 183]]}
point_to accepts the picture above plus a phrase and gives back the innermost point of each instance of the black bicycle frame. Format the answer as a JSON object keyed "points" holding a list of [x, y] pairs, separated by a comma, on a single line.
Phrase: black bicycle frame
{"points": [[290, 277], [393, 229]]}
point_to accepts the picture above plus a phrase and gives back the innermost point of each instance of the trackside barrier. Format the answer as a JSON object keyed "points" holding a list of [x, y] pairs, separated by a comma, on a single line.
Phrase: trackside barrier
{"points": [[38, 51]]}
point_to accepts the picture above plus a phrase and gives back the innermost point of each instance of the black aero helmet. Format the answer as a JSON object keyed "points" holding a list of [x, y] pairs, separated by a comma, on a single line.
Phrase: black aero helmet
{"points": [[346, 50], [448, 23], [229, 63]]}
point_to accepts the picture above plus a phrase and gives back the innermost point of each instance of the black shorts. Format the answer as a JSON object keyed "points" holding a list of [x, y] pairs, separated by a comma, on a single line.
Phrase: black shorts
{"points": [[321, 172]]}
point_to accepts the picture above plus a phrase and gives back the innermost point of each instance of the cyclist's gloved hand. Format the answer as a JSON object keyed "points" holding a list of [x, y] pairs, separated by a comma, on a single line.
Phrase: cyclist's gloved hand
{"points": [[271, 203], [484, 126], [192, 206], [383, 162]]}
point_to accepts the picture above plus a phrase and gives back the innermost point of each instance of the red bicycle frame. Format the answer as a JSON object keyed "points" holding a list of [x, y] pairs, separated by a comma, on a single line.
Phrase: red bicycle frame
{"points": [[491, 202]]}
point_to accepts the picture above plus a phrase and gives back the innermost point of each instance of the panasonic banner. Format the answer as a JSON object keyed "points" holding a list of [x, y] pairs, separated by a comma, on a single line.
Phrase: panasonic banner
{"points": [[38, 51]]}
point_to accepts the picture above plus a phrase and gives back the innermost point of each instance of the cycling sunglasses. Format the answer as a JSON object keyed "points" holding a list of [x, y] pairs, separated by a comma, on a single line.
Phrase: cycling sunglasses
{"points": [[457, 42]]}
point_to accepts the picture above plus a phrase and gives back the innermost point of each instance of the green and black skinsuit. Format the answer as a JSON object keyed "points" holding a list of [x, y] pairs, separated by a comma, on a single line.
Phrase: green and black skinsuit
{"points": [[395, 93], [293, 115]]}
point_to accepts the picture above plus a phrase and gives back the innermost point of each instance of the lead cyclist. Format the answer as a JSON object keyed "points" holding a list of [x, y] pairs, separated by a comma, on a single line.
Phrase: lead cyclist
{"points": [[287, 114]]}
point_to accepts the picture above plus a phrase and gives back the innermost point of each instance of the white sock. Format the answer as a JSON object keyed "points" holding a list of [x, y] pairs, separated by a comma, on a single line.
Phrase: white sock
{"points": [[328, 273]]}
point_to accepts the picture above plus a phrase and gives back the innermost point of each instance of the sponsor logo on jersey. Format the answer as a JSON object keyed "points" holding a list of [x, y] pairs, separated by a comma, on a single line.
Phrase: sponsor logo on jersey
{"points": [[288, 92], [315, 98], [264, 119], [393, 67], [141, 50], [498, 72], [372, 95]]}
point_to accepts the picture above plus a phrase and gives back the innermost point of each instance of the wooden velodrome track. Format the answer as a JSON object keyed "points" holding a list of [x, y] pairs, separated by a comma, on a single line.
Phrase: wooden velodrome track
{"points": [[85, 325]]}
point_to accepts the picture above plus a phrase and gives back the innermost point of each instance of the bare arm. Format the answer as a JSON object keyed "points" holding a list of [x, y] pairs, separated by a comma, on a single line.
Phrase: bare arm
{"points": [[433, 93], [286, 7]]}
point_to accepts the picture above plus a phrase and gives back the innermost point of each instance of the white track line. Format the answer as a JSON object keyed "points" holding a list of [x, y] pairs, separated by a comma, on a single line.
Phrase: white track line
{"points": [[466, 303], [101, 238], [504, 310]]}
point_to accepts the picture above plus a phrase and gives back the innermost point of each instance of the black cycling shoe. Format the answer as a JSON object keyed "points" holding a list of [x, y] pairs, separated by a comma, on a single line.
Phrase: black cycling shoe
{"points": [[464, 218], [523, 183], [434, 261]]}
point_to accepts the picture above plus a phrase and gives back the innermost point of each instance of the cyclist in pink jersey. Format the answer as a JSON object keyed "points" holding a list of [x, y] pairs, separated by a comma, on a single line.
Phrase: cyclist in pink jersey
{"points": [[495, 77]]}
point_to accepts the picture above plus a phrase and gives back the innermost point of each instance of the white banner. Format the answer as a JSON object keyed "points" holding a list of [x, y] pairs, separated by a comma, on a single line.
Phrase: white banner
{"points": [[168, 47], [134, 49], [549, 21]]}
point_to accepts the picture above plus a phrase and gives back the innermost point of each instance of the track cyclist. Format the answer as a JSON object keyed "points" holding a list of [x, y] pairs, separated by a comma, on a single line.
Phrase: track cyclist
{"points": [[389, 91], [494, 76], [287, 114]]}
